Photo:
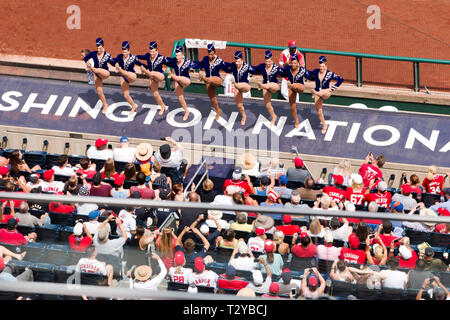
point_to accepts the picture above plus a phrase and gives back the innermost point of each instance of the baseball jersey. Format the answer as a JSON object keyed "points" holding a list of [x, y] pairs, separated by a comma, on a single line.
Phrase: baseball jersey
{"points": [[289, 229], [256, 244], [207, 278], [285, 57], [180, 277], [237, 283], [53, 187], [382, 199], [336, 194], [240, 186], [355, 196], [91, 266], [369, 172], [128, 222], [434, 186], [353, 256]]}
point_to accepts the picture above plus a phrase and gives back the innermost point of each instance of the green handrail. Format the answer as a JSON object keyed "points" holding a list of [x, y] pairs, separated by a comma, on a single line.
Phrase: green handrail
{"points": [[358, 58]]}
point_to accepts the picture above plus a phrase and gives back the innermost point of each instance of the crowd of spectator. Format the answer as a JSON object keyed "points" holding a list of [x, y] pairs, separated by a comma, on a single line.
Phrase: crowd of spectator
{"points": [[261, 247]]}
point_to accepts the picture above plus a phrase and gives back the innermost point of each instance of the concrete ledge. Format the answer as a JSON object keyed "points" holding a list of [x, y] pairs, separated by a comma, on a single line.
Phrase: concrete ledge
{"points": [[74, 70]]}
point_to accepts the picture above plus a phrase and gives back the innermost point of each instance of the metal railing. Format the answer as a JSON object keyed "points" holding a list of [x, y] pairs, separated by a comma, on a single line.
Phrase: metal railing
{"points": [[193, 54], [216, 206], [206, 174]]}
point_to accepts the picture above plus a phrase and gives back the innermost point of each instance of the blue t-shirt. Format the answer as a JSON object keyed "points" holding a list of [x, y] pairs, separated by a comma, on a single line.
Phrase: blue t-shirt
{"points": [[190, 258], [273, 215]]}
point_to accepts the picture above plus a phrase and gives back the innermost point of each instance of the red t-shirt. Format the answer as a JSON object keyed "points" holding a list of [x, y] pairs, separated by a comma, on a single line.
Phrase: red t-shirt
{"points": [[146, 193], [237, 283], [369, 172], [79, 246], [434, 186], [441, 228], [387, 239], [12, 237], [382, 199], [302, 252], [289, 229], [63, 208], [112, 177], [356, 197], [353, 256], [241, 186], [416, 190], [6, 217], [87, 173], [103, 190], [410, 264], [16, 201], [336, 194]]}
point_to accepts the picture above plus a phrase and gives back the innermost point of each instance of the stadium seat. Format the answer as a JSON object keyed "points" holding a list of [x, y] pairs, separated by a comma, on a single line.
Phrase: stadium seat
{"points": [[90, 278], [324, 266], [301, 264], [364, 293], [64, 219], [47, 233], [25, 229], [98, 163], [120, 166], [444, 277], [391, 294], [339, 243], [35, 251], [11, 247], [113, 260], [260, 199], [130, 183], [175, 286], [417, 237], [300, 221], [50, 161], [74, 160], [74, 257], [33, 158], [222, 254], [242, 234], [411, 294], [37, 213], [61, 177], [56, 254], [309, 203], [64, 233], [429, 199], [295, 185], [43, 272], [439, 240], [341, 288], [204, 289]]}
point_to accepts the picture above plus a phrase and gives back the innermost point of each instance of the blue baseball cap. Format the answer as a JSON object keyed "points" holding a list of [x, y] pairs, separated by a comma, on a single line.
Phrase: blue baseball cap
{"points": [[397, 206], [283, 179], [94, 214], [123, 139]]}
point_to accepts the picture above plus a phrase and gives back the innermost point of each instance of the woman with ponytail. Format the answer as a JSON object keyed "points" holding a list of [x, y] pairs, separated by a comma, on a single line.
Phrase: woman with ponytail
{"points": [[274, 260]]}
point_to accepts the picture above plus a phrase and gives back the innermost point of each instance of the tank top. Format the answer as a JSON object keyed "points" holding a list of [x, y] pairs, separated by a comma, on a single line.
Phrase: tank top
{"points": [[228, 247], [261, 193]]}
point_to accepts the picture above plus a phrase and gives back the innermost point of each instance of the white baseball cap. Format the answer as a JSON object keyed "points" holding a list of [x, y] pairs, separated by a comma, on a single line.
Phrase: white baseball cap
{"points": [[204, 229], [405, 252], [78, 229]]}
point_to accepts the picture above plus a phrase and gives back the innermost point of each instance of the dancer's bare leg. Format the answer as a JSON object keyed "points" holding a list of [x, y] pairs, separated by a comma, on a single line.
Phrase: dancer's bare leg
{"points": [[268, 101], [126, 94]]}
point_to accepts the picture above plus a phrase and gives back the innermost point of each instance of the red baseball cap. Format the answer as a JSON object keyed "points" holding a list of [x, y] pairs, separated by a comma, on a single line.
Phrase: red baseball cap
{"points": [[338, 179], [274, 287], [443, 212], [260, 231], [292, 44], [286, 270], [49, 174], [100, 142], [287, 218], [119, 179], [298, 162], [4, 170], [312, 282], [353, 241], [269, 246], [179, 258], [199, 265], [303, 234], [406, 188]]}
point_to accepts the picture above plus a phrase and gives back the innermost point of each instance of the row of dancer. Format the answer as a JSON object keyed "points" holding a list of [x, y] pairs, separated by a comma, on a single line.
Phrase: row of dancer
{"points": [[295, 74]]}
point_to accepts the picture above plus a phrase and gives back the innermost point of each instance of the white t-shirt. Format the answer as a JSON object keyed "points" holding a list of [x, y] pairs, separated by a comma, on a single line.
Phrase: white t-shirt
{"points": [[207, 278], [174, 160], [253, 171], [85, 208], [328, 217], [128, 222], [91, 266], [224, 199], [55, 186], [256, 244], [124, 154], [223, 224], [104, 154], [341, 233], [244, 263], [395, 279], [181, 277], [92, 226], [66, 171]]}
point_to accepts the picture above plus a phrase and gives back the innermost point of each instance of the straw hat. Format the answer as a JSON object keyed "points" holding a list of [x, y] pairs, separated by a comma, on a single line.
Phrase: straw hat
{"points": [[428, 213], [248, 160], [246, 292], [144, 151], [143, 273], [265, 222], [215, 213]]}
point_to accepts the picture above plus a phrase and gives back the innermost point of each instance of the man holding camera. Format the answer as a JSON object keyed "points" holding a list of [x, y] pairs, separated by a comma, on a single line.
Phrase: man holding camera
{"points": [[172, 163], [238, 184], [101, 239]]}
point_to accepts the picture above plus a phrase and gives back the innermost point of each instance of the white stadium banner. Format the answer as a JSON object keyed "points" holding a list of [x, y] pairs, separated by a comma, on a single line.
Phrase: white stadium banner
{"points": [[202, 43]]}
